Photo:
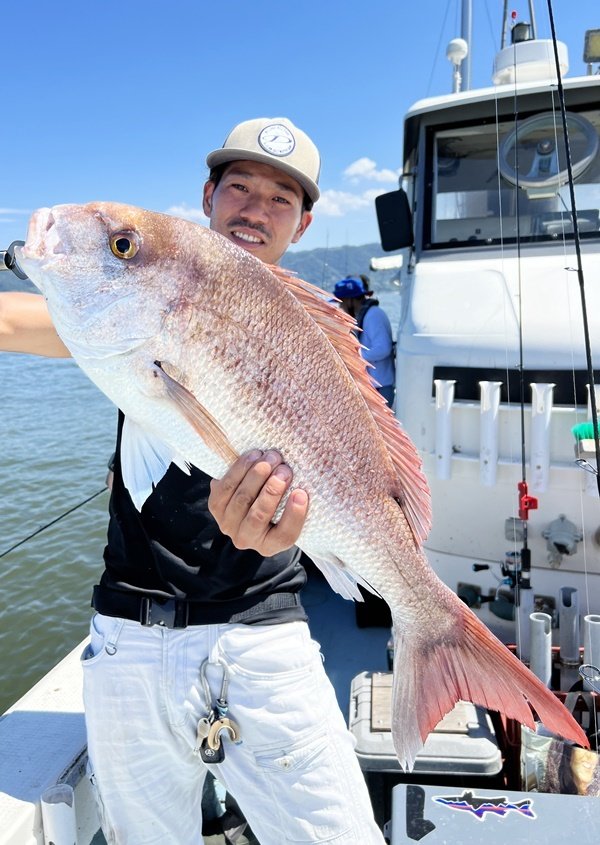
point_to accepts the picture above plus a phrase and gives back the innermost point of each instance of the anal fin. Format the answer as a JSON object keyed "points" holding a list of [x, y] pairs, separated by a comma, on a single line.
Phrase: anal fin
{"points": [[341, 579]]}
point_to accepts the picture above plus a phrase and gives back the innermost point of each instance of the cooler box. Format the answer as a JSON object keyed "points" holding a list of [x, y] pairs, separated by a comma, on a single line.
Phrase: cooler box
{"points": [[438, 815], [463, 743]]}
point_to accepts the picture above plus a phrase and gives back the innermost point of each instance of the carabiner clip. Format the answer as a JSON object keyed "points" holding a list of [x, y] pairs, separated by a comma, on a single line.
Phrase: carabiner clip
{"points": [[591, 675]]}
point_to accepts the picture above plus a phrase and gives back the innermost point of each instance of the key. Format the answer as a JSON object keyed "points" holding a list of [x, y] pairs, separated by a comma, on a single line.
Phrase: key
{"points": [[210, 755], [213, 739]]}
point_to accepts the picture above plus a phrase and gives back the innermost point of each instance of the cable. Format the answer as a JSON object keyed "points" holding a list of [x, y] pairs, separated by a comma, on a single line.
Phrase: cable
{"points": [[53, 522]]}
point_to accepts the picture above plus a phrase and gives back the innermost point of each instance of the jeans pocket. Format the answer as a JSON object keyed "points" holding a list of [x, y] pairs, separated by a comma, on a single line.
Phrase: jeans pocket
{"points": [[314, 807], [104, 634]]}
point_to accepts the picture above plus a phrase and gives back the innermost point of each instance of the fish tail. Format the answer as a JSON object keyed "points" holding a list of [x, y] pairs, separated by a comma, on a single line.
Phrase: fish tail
{"points": [[431, 674]]}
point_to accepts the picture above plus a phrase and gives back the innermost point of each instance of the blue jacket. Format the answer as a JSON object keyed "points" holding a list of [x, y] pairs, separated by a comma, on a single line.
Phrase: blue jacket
{"points": [[376, 336]]}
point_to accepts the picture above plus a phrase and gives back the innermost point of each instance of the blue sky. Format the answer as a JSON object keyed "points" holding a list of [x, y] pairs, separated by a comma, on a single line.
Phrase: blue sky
{"points": [[122, 99]]}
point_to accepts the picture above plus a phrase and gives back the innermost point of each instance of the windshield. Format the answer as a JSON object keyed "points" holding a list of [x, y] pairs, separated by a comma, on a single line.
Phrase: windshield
{"points": [[494, 182]]}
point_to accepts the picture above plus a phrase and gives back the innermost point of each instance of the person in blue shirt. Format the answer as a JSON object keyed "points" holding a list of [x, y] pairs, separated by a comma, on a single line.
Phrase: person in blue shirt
{"points": [[375, 331]]}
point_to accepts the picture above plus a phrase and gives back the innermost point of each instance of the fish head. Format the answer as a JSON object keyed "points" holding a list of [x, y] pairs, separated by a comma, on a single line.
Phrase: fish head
{"points": [[100, 264]]}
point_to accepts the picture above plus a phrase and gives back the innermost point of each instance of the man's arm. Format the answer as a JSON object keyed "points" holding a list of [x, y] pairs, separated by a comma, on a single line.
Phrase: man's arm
{"points": [[25, 326]]}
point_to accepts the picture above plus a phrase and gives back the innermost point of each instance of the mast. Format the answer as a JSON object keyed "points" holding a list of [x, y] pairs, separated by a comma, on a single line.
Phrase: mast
{"points": [[466, 34]]}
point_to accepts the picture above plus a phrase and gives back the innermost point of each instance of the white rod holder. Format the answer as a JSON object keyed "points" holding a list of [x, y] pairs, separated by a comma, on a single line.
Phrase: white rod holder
{"points": [[541, 646], [568, 621], [488, 431], [588, 451], [58, 815], [591, 643], [524, 611], [596, 394], [541, 416], [444, 399]]}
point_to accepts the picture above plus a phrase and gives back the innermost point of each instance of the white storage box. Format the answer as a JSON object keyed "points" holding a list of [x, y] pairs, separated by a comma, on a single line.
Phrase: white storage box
{"points": [[463, 743], [438, 815]]}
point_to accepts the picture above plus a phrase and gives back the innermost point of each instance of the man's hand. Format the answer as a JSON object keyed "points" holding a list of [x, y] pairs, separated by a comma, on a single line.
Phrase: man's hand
{"points": [[244, 502]]}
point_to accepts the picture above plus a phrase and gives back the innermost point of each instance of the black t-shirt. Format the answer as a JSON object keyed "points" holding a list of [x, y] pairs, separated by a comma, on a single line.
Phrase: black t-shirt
{"points": [[174, 549]]}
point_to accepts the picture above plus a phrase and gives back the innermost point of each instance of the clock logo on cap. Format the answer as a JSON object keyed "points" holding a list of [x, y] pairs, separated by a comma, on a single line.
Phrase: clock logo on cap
{"points": [[277, 139]]}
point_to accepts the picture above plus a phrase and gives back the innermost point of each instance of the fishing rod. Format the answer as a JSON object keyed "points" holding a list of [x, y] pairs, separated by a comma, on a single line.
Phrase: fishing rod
{"points": [[518, 570], [52, 522], [577, 242]]}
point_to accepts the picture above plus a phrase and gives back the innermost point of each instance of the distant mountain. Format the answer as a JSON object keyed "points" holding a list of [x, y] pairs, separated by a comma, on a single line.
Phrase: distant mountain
{"points": [[323, 267]]}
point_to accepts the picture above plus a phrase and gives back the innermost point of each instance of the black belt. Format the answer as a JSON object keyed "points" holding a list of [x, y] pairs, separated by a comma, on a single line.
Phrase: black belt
{"points": [[179, 613]]}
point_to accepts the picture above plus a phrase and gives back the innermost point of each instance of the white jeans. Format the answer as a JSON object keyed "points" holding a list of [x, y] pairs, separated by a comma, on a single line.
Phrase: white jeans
{"points": [[294, 774]]}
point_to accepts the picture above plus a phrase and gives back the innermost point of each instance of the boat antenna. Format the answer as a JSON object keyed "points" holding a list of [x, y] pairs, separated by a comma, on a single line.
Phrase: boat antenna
{"points": [[577, 242], [532, 19], [504, 25], [467, 35]]}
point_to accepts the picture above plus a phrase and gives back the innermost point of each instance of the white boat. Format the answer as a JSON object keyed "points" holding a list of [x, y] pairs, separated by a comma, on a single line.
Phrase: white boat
{"points": [[492, 374]]}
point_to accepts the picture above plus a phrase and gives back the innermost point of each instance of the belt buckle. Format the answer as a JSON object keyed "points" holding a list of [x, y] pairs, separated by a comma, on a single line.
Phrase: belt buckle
{"points": [[169, 613]]}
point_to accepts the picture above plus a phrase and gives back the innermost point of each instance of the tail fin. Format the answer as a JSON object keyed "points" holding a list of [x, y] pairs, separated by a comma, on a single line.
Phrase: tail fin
{"points": [[472, 665]]}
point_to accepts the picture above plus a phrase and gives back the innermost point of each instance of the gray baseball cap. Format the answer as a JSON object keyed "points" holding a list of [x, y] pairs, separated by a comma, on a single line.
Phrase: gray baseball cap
{"points": [[275, 141]]}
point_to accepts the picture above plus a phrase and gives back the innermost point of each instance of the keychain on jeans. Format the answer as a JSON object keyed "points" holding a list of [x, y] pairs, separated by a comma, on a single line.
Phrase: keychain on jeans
{"points": [[211, 726]]}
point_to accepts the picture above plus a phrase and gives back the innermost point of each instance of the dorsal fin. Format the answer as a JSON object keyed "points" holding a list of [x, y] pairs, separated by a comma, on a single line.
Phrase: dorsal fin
{"points": [[411, 488]]}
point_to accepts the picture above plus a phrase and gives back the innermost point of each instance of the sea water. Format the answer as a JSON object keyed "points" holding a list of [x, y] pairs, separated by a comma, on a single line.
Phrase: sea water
{"points": [[57, 434]]}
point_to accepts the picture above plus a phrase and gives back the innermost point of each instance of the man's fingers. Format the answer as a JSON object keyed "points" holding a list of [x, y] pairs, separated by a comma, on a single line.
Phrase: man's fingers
{"points": [[285, 534], [245, 501], [257, 518], [222, 490], [244, 487]]}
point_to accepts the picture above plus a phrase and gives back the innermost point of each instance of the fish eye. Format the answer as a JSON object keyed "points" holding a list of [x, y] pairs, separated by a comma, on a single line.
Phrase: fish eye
{"points": [[124, 244]]}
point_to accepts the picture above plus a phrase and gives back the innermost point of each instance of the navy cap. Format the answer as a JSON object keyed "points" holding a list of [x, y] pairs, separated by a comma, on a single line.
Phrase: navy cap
{"points": [[349, 288]]}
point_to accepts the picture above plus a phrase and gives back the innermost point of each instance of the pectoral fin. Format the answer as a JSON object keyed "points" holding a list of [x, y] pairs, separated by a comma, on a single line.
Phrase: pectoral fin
{"points": [[144, 461], [197, 416]]}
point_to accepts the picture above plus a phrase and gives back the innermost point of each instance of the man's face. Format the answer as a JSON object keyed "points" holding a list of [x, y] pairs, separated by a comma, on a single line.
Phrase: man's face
{"points": [[258, 207]]}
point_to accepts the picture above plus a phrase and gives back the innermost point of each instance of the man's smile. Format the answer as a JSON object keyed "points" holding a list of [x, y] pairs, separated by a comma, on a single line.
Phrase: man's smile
{"points": [[246, 236]]}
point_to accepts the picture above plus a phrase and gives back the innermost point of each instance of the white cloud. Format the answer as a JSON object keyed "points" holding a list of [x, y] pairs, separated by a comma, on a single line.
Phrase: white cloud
{"points": [[188, 212], [14, 211], [332, 203], [366, 169], [337, 203]]}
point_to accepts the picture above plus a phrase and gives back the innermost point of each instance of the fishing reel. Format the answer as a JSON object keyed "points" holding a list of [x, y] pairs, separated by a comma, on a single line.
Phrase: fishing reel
{"points": [[9, 262]]}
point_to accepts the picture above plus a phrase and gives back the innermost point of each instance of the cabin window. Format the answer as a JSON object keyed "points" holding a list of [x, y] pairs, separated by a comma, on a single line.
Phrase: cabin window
{"points": [[491, 183]]}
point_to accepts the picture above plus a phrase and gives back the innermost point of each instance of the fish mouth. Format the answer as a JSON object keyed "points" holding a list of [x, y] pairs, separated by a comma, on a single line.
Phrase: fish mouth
{"points": [[43, 240]]}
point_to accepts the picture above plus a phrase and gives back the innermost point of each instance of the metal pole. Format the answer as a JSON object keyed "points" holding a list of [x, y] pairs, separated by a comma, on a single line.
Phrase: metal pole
{"points": [[504, 25], [532, 19], [467, 32]]}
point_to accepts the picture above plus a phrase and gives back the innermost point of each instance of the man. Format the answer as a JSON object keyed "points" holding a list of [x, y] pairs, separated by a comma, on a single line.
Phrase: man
{"points": [[198, 616], [376, 331]]}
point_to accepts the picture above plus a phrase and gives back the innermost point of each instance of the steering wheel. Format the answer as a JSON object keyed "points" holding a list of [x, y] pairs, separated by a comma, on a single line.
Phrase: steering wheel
{"points": [[537, 149]]}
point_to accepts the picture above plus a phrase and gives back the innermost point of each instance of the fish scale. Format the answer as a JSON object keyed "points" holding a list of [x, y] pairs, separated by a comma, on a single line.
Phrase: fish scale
{"points": [[210, 353]]}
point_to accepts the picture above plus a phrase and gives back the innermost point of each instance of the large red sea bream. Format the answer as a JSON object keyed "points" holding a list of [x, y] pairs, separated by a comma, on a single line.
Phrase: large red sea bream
{"points": [[210, 353]]}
